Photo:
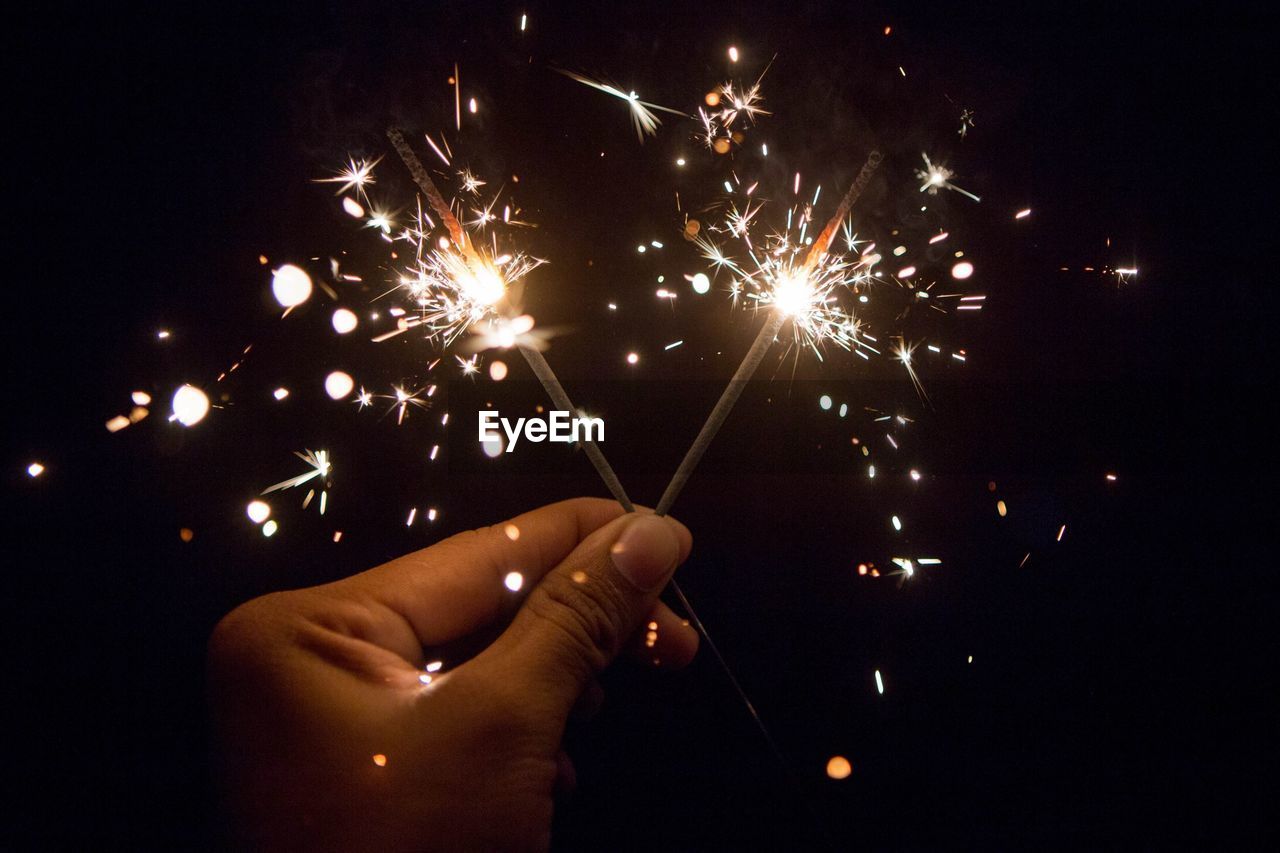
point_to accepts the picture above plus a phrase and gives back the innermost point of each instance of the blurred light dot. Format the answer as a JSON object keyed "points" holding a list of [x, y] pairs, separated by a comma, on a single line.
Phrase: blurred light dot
{"points": [[915, 475], [35, 469], [163, 334], [353, 208], [1002, 509], [906, 272], [258, 511], [186, 534], [513, 581], [434, 666], [680, 161], [512, 532], [424, 678], [712, 99], [701, 284], [962, 270], [720, 146], [897, 523], [141, 398], [579, 577], [825, 402], [291, 285], [270, 528], [733, 54], [492, 447], [471, 105], [344, 320], [844, 409], [838, 767], [190, 405], [380, 760], [879, 683], [632, 358], [117, 423], [280, 393], [497, 370], [338, 384]]}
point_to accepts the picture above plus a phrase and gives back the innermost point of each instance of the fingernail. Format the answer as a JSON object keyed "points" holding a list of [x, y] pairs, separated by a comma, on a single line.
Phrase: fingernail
{"points": [[646, 552]]}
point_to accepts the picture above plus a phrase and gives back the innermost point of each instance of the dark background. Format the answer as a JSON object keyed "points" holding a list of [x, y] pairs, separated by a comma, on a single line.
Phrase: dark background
{"points": [[1115, 695]]}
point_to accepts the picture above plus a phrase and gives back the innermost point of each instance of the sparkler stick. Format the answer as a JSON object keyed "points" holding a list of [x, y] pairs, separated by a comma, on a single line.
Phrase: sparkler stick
{"points": [[555, 391], [760, 346]]}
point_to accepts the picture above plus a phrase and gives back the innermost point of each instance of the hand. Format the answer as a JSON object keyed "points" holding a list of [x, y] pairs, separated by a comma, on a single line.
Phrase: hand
{"points": [[330, 739]]}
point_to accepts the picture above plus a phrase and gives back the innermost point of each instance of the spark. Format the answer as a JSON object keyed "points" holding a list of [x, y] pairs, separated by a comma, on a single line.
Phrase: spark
{"points": [[966, 122], [673, 345], [513, 581], [642, 117], [470, 183], [190, 405], [937, 176], [320, 467], [356, 175], [280, 393], [35, 469], [879, 683], [1022, 214], [903, 353], [338, 384], [258, 511], [344, 321], [468, 366], [291, 285]]}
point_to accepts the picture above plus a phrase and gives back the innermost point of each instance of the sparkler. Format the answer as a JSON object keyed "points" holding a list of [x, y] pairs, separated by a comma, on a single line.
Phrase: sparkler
{"points": [[794, 292]]}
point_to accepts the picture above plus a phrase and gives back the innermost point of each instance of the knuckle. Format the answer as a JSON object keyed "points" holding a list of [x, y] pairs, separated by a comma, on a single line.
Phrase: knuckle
{"points": [[589, 614]]}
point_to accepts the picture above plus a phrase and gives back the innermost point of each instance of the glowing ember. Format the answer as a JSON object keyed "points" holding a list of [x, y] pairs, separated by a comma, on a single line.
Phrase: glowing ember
{"points": [[338, 385], [838, 767], [291, 285], [258, 511], [190, 405]]}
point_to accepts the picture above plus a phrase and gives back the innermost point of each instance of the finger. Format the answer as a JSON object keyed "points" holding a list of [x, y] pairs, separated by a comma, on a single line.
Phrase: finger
{"points": [[575, 621], [589, 703], [663, 640], [458, 585]]}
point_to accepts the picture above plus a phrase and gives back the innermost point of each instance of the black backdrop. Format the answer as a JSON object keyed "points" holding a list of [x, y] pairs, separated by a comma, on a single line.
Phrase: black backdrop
{"points": [[1115, 693]]}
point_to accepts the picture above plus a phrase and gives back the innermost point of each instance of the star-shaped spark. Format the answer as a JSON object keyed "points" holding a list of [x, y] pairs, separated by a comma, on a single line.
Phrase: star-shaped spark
{"points": [[469, 366], [937, 177], [321, 467], [642, 117], [470, 183], [357, 175]]}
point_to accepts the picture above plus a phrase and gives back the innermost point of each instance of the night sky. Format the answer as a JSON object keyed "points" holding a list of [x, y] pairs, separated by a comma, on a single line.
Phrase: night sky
{"points": [[1115, 693]]}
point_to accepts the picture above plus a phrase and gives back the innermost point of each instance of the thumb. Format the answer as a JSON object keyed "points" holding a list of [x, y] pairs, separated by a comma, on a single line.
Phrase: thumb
{"points": [[577, 618]]}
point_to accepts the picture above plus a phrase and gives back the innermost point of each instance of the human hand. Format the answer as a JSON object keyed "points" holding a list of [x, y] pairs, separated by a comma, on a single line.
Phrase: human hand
{"points": [[330, 739]]}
